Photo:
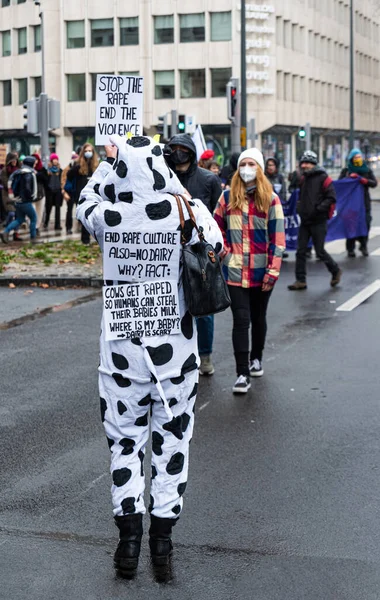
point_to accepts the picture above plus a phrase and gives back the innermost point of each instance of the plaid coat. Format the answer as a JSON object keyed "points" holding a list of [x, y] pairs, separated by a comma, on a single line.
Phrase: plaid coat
{"points": [[254, 241]]}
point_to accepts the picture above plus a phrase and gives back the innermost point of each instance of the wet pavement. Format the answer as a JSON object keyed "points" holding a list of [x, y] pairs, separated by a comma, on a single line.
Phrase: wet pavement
{"points": [[283, 498]]}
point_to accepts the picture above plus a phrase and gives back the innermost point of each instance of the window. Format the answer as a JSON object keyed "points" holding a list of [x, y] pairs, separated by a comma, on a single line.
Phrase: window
{"points": [[220, 26], [6, 41], [287, 87], [22, 90], [279, 32], [102, 33], [75, 34], [93, 84], [280, 85], [37, 86], [22, 45], [76, 88], [129, 31], [164, 29], [7, 92], [219, 80], [21, 1], [164, 84], [37, 38], [5, 3], [193, 83], [192, 28]]}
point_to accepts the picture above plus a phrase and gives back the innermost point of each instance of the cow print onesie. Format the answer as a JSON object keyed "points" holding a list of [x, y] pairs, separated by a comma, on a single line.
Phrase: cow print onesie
{"points": [[155, 375]]}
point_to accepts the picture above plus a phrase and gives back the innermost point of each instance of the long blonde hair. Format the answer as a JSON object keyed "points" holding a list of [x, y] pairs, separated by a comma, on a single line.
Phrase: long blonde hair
{"points": [[263, 192], [84, 163]]}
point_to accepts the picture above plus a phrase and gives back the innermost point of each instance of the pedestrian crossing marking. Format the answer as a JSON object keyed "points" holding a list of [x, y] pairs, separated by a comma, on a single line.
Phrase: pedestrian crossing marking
{"points": [[361, 297], [376, 252]]}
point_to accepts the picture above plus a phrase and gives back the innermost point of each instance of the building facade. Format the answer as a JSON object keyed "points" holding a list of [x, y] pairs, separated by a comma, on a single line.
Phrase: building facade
{"points": [[297, 54]]}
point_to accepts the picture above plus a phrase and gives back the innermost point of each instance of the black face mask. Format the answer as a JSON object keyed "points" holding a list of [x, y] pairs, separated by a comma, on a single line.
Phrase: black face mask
{"points": [[180, 157]]}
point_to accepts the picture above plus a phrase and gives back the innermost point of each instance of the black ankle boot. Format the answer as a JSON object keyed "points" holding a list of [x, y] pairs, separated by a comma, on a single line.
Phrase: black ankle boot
{"points": [[160, 542], [127, 554]]}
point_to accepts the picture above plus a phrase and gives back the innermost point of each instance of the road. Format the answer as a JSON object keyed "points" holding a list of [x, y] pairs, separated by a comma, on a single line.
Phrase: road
{"points": [[284, 489]]}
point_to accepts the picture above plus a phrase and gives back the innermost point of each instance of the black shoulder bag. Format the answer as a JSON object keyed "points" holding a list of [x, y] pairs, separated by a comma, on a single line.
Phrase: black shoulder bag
{"points": [[205, 288]]}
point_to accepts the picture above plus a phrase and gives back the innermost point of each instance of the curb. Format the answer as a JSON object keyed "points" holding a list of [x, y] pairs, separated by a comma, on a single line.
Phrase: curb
{"points": [[89, 282]]}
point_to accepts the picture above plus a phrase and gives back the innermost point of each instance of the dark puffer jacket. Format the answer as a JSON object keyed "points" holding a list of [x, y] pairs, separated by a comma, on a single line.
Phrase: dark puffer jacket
{"points": [[199, 183], [317, 194], [277, 179]]}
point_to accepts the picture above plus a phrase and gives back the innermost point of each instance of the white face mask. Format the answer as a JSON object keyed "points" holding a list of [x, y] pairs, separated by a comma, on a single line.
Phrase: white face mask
{"points": [[248, 173], [88, 154]]}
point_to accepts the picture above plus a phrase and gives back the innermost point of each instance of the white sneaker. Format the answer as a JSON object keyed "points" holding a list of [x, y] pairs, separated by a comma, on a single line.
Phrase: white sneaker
{"points": [[206, 367], [242, 385], [256, 368]]}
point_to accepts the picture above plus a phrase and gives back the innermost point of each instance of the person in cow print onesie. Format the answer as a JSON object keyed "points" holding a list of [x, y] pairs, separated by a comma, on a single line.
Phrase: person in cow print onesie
{"points": [[133, 190]]}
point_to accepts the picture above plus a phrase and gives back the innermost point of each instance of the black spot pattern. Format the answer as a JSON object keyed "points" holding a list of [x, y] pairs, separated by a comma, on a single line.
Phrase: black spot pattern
{"points": [[121, 408], [159, 181], [181, 488], [175, 427], [154, 472], [218, 247], [145, 401], [177, 380], [191, 203], [121, 381], [175, 464], [153, 378], [138, 141], [190, 364], [109, 191], [82, 199], [141, 456], [110, 442], [103, 408], [149, 161], [112, 218], [125, 197], [96, 188], [187, 230], [89, 210], [157, 442], [128, 505], [136, 341], [187, 325], [151, 504], [160, 355], [158, 210], [176, 509], [185, 421], [173, 402], [121, 476], [122, 169], [128, 444], [194, 391], [120, 361], [142, 421], [157, 150]]}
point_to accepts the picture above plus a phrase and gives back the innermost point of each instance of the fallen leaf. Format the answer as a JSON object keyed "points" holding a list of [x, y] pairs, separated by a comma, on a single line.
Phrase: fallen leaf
{"points": [[12, 285], [34, 284], [28, 292], [44, 285]]}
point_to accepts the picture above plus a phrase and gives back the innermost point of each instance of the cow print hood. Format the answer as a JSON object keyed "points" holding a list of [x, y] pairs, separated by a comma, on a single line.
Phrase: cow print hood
{"points": [[140, 171]]}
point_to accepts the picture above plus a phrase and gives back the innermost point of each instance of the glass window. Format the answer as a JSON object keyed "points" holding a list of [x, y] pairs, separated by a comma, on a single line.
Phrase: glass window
{"points": [[164, 84], [130, 73], [22, 45], [193, 83], [129, 31], [37, 86], [22, 90], [37, 38], [164, 29], [76, 88], [6, 41], [21, 1], [219, 80], [102, 33], [192, 28], [75, 34], [7, 92], [221, 29], [5, 3], [93, 83]]}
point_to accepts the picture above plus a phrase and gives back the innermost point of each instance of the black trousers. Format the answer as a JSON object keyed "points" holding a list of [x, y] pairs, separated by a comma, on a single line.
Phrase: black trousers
{"points": [[69, 214], [53, 199], [363, 239], [317, 233], [249, 308]]}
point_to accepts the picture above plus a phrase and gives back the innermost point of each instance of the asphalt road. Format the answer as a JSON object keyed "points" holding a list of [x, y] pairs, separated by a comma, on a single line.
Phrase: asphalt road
{"points": [[284, 489]]}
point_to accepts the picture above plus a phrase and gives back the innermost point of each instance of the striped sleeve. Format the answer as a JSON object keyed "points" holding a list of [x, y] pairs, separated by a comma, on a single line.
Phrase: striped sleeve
{"points": [[276, 234]]}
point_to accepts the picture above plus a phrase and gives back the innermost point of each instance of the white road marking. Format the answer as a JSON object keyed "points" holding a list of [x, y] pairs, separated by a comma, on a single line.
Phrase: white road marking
{"points": [[339, 246], [376, 252], [204, 405], [360, 297]]}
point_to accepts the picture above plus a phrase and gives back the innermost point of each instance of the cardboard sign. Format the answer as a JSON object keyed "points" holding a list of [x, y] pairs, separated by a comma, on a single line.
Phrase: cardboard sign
{"points": [[141, 255], [119, 106], [3, 153], [135, 310]]}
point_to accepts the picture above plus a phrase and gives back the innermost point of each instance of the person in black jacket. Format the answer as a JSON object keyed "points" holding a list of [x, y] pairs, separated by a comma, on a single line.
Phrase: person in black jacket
{"points": [[229, 170], [26, 195], [357, 168], [276, 179], [181, 155], [317, 196], [53, 192]]}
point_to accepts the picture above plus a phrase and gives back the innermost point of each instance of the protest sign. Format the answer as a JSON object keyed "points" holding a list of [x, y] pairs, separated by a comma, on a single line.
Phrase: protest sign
{"points": [[141, 255], [119, 106], [146, 309]]}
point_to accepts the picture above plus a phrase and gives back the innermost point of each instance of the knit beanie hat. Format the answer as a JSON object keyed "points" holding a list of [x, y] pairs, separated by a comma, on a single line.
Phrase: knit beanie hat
{"points": [[54, 157], [207, 154], [253, 153]]}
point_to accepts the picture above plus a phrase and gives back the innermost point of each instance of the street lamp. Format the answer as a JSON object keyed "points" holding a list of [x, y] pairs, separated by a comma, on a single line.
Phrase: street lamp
{"points": [[43, 111], [352, 77], [243, 75], [41, 15]]}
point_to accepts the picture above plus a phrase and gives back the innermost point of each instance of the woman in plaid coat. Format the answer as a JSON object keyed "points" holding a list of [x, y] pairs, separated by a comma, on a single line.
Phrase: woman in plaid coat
{"points": [[251, 219]]}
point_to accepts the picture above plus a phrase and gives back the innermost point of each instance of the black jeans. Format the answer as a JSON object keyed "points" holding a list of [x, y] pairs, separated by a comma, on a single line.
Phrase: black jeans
{"points": [[69, 214], [53, 199], [249, 307], [363, 239], [317, 233]]}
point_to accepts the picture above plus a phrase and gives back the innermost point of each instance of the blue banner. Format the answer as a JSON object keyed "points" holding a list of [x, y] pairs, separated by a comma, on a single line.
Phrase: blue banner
{"points": [[349, 220]]}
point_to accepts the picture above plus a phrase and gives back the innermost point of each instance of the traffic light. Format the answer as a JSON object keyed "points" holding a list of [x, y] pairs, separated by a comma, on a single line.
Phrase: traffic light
{"points": [[54, 113], [182, 123], [302, 134], [163, 127], [232, 99], [31, 116]]}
